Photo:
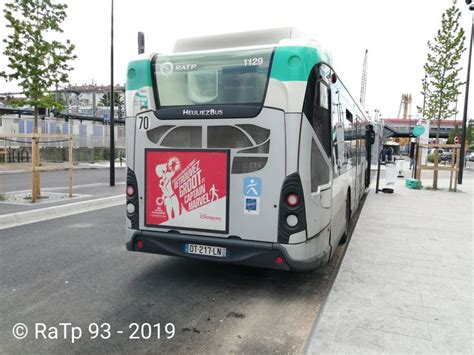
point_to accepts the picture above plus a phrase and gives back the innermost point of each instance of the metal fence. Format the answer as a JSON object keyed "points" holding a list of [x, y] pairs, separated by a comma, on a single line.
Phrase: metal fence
{"points": [[85, 134]]}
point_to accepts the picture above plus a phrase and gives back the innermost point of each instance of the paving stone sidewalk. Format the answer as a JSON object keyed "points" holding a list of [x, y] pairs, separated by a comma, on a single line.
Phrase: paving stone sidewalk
{"points": [[406, 282]]}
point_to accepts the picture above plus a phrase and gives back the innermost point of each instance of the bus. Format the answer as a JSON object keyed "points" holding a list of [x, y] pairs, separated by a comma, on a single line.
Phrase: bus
{"points": [[242, 148]]}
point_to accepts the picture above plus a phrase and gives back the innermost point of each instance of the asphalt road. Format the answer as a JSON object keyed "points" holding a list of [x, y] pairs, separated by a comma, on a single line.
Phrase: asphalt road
{"points": [[22, 180], [76, 269]]}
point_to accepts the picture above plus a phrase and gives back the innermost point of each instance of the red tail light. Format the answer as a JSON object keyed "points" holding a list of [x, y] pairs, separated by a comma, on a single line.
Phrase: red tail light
{"points": [[139, 244], [292, 200], [279, 260]]}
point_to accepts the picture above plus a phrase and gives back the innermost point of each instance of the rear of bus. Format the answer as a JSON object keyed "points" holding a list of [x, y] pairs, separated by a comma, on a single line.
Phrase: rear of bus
{"points": [[212, 159]]}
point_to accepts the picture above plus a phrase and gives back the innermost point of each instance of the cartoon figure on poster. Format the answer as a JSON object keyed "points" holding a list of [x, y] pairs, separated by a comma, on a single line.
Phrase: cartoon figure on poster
{"points": [[213, 192], [166, 172], [187, 189]]}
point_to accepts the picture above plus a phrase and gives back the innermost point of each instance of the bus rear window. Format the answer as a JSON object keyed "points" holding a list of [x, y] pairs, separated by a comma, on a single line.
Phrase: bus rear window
{"points": [[234, 77]]}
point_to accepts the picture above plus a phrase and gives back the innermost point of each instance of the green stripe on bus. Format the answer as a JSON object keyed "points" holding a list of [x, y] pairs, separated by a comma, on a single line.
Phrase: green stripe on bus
{"points": [[138, 74], [295, 63]]}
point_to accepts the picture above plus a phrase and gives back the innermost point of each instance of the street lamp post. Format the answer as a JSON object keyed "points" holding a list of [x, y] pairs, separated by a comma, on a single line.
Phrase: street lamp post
{"points": [[141, 43], [466, 99], [112, 113]]}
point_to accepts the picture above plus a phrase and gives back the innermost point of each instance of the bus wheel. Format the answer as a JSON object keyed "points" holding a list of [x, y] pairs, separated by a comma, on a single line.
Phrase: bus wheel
{"points": [[348, 219]]}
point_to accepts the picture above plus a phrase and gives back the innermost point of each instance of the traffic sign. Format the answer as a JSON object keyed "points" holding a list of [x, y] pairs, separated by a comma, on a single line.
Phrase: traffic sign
{"points": [[418, 130]]}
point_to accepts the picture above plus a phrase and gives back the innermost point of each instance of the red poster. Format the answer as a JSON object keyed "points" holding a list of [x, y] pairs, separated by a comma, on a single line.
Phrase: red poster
{"points": [[187, 189]]}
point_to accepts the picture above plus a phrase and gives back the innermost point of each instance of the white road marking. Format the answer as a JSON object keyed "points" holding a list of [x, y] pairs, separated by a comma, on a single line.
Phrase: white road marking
{"points": [[43, 214]]}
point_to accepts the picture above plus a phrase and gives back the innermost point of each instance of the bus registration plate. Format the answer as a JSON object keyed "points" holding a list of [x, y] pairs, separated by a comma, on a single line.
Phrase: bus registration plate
{"points": [[207, 250]]}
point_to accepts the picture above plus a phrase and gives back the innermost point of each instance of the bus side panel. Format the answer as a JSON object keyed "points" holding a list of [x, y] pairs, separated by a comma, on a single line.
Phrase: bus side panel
{"points": [[286, 95], [130, 141], [341, 185], [292, 128], [317, 215]]}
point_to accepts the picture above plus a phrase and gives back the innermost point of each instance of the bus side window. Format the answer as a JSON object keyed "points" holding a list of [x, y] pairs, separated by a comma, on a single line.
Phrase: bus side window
{"points": [[322, 115], [319, 169], [350, 150]]}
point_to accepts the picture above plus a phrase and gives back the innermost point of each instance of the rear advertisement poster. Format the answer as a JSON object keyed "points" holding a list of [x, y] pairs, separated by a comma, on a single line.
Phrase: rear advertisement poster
{"points": [[187, 189]]}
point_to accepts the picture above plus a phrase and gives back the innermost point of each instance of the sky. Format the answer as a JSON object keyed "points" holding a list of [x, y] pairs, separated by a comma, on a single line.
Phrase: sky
{"points": [[395, 34]]}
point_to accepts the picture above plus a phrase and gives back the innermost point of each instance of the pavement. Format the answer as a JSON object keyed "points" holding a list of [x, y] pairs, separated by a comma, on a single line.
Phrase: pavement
{"points": [[76, 269], [405, 284], [91, 191]]}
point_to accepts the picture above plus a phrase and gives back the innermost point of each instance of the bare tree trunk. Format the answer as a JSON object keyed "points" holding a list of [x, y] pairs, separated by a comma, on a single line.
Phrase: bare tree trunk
{"points": [[435, 172], [36, 182], [437, 130]]}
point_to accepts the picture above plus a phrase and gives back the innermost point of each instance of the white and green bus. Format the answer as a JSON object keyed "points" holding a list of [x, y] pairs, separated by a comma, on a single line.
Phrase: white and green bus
{"points": [[242, 148]]}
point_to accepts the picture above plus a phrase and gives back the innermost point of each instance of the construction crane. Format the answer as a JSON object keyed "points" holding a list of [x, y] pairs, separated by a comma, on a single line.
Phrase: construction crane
{"points": [[363, 84], [405, 106]]}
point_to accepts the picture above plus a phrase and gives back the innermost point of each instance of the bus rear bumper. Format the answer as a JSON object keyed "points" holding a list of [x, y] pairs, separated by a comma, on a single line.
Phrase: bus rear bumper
{"points": [[258, 254]]}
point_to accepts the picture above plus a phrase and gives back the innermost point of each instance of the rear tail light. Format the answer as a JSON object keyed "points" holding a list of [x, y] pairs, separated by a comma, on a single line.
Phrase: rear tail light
{"points": [[292, 215], [130, 208], [292, 200], [292, 220], [139, 244], [132, 198], [279, 260]]}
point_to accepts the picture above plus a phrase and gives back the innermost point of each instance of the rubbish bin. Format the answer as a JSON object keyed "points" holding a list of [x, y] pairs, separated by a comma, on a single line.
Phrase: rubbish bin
{"points": [[400, 166], [391, 173]]}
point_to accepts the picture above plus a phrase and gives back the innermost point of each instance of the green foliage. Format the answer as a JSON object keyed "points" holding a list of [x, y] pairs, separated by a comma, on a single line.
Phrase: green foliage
{"points": [[453, 132], [470, 132], [105, 99], [441, 88], [118, 101], [36, 63], [102, 153], [18, 102]]}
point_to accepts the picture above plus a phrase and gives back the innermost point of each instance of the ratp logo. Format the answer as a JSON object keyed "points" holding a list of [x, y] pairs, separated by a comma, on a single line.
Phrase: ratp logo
{"points": [[166, 69]]}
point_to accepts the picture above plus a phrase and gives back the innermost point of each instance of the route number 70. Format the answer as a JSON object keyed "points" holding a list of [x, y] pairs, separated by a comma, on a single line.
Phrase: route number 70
{"points": [[143, 123]]}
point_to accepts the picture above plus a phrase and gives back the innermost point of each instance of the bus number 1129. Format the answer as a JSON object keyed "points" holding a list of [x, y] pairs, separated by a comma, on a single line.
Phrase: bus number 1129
{"points": [[249, 62]]}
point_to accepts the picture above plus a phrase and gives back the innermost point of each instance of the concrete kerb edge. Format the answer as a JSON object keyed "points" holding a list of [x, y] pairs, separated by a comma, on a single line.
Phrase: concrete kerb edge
{"points": [[32, 216], [312, 333]]}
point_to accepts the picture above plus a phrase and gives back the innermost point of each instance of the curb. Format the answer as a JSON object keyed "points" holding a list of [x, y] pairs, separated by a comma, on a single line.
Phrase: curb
{"points": [[312, 334], [43, 214]]}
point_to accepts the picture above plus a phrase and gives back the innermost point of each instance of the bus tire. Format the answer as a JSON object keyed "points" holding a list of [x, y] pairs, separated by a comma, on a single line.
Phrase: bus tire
{"points": [[348, 218]]}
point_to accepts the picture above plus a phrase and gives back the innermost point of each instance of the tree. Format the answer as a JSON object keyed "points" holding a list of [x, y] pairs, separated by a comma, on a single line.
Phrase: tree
{"points": [[118, 101], [453, 132], [470, 132], [442, 83], [105, 99], [37, 62], [441, 86]]}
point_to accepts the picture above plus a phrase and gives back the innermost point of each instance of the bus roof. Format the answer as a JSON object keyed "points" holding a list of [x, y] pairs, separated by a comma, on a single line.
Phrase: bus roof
{"points": [[270, 36], [281, 38]]}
